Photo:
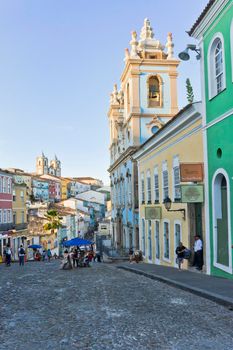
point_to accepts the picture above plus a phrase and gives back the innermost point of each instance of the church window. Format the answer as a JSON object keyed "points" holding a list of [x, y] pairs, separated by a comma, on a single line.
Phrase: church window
{"points": [[154, 92], [216, 66]]}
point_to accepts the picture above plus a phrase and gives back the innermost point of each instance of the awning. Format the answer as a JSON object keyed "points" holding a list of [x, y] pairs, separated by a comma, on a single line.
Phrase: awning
{"points": [[76, 242], [35, 246]]}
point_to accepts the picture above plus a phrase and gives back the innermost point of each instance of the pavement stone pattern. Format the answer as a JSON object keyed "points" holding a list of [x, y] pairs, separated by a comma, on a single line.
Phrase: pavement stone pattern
{"points": [[103, 307]]}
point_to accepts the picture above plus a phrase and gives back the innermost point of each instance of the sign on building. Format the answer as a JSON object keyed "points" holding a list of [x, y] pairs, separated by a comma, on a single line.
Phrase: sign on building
{"points": [[152, 213], [192, 194], [191, 172]]}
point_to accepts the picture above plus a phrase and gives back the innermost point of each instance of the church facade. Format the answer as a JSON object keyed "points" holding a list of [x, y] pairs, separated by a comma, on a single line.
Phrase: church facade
{"points": [[43, 167], [146, 100]]}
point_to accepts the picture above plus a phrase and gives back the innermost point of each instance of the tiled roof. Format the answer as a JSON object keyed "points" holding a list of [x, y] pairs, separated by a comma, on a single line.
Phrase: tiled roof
{"points": [[202, 15]]}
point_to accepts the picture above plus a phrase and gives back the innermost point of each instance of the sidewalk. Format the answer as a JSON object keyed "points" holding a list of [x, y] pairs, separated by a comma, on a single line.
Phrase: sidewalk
{"points": [[217, 289]]}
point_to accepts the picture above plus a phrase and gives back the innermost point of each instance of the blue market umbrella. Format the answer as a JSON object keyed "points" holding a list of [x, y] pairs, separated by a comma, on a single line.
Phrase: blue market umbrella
{"points": [[35, 246], [76, 242]]}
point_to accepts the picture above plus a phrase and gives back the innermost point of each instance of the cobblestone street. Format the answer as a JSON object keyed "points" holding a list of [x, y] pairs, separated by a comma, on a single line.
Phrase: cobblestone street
{"points": [[104, 308]]}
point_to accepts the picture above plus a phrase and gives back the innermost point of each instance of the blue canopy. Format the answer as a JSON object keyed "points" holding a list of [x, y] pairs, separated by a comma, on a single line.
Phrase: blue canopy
{"points": [[76, 242], [35, 246]]}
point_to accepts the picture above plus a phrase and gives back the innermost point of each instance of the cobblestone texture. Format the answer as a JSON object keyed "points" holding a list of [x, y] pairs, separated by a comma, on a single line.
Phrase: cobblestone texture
{"points": [[102, 308]]}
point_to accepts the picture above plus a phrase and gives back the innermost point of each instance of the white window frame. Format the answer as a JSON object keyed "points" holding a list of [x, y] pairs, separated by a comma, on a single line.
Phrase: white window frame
{"points": [[4, 184], [149, 236], [165, 169], [175, 165], [212, 84], [1, 218], [177, 222], [157, 259], [1, 183], [4, 216], [142, 183], [129, 187], [8, 185], [148, 187], [169, 241], [156, 189], [143, 238]]}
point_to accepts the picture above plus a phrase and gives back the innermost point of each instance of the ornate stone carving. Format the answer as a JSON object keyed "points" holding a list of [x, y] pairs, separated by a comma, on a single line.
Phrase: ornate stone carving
{"points": [[169, 46], [115, 95], [134, 44], [147, 30], [127, 55], [147, 41]]}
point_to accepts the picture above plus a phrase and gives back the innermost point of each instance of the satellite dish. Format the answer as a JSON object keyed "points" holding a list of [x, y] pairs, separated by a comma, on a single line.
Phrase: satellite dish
{"points": [[184, 55]]}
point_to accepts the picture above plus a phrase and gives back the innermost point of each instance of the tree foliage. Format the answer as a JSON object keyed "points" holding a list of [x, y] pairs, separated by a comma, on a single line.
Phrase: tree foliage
{"points": [[54, 221], [189, 89]]}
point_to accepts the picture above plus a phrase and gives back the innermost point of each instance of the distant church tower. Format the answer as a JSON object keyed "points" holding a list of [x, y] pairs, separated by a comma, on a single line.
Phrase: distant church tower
{"points": [[55, 167], [42, 165]]}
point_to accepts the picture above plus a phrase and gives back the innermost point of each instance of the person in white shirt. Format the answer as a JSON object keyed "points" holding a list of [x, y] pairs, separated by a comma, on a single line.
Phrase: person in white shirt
{"points": [[198, 253]]}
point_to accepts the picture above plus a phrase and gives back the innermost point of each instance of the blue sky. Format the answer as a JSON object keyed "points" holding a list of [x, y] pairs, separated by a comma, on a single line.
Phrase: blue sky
{"points": [[59, 60]]}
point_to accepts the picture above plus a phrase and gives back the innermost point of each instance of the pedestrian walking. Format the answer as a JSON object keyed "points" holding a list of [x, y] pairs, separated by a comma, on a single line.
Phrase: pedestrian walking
{"points": [[180, 252], [49, 255], [75, 257], [198, 253], [21, 254], [8, 255]]}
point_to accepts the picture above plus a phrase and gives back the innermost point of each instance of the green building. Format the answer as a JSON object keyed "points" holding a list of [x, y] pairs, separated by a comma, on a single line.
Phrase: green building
{"points": [[214, 32]]}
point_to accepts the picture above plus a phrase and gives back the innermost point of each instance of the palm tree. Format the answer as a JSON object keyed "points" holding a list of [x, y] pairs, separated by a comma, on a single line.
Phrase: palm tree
{"points": [[54, 221]]}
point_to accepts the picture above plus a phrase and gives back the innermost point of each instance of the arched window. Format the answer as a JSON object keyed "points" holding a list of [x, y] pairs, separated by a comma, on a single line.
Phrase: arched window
{"points": [[218, 57], [216, 66], [154, 91]]}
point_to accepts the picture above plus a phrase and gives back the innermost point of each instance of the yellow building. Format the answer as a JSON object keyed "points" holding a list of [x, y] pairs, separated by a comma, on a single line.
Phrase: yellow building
{"points": [[65, 182], [174, 154], [19, 209]]}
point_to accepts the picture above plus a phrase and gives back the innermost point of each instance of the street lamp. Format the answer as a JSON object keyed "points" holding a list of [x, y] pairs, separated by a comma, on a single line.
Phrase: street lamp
{"points": [[184, 55], [167, 203]]}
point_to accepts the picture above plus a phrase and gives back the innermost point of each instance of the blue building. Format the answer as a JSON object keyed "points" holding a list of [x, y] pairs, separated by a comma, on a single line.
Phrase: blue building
{"points": [[146, 101], [40, 189]]}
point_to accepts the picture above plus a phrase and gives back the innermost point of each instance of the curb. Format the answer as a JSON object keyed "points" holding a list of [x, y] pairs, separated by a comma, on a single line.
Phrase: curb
{"points": [[224, 301]]}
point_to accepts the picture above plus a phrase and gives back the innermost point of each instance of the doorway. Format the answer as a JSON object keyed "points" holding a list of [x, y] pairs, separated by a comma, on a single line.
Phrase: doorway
{"points": [[221, 219]]}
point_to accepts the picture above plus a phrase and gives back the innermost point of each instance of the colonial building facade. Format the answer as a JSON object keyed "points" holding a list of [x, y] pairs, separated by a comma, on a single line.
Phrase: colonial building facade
{"points": [[171, 170], [214, 31], [146, 100]]}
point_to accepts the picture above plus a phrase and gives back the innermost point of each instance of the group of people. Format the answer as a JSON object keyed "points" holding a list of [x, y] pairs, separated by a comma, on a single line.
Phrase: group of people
{"points": [[79, 258], [46, 255], [8, 255], [183, 253]]}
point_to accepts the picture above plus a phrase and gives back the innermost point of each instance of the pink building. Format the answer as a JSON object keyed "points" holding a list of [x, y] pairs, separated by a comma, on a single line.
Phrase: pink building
{"points": [[6, 220]]}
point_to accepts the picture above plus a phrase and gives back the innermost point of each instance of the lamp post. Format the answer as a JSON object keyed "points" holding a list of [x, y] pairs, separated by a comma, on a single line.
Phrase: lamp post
{"points": [[167, 203]]}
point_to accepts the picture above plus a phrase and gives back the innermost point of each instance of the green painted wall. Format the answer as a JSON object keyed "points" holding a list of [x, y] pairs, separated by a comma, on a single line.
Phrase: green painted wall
{"points": [[220, 135], [223, 101]]}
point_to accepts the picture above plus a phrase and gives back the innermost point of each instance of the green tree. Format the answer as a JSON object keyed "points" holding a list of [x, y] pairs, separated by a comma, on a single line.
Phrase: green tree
{"points": [[54, 221], [189, 89]]}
